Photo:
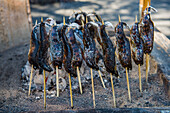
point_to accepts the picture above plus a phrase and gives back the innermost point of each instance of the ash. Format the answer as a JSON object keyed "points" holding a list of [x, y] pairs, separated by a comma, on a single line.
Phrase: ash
{"points": [[38, 79]]}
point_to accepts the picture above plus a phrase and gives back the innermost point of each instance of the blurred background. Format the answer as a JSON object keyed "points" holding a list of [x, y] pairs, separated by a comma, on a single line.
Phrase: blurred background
{"points": [[18, 16], [108, 9]]}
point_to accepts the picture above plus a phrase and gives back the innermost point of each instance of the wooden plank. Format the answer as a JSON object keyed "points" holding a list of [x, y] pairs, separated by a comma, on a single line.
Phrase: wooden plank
{"points": [[116, 110], [14, 24], [142, 6], [161, 53]]}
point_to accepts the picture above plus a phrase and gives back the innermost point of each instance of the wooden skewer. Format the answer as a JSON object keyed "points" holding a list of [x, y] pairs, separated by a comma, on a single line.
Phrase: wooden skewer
{"points": [[79, 80], [96, 19], [116, 55], [94, 104], [101, 78], [64, 20], [113, 92], [30, 81], [80, 9], [86, 20], [57, 81], [102, 22], [136, 19], [119, 18], [147, 67], [128, 85], [70, 91], [93, 20], [36, 22], [41, 19], [82, 23], [44, 90], [140, 83]]}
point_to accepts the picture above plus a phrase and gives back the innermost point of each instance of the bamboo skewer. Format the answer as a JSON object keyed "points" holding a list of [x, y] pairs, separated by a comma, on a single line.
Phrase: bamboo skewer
{"points": [[41, 19], [119, 18], [71, 98], [95, 16], [116, 55], [64, 21], [128, 85], [94, 104], [80, 9], [44, 90], [101, 78], [113, 92], [79, 80], [140, 83], [147, 67], [36, 22], [30, 81], [57, 81]]}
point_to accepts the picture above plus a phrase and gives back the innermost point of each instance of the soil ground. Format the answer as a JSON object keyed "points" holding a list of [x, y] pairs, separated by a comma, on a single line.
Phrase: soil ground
{"points": [[14, 99]]}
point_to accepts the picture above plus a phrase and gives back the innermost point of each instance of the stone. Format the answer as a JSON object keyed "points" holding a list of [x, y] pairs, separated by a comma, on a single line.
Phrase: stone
{"points": [[62, 83], [105, 80], [37, 98], [38, 79]]}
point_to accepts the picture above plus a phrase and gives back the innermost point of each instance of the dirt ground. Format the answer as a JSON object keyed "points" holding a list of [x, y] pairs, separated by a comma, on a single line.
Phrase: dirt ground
{"points": [[13, 98]]}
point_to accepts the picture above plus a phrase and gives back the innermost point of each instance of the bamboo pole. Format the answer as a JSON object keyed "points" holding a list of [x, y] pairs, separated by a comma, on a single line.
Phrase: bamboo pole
{"points": [[30, 81], [140, 83], [71, 98], [94, 104], [101, 78], [44, 90], [147, 67], [142, 6], [78, 73], [113, 92], [128, 85], [57, 81]]}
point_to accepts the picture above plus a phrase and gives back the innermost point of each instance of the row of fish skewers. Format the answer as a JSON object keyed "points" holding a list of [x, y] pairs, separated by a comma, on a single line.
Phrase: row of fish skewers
{"points": [[71, 43]]}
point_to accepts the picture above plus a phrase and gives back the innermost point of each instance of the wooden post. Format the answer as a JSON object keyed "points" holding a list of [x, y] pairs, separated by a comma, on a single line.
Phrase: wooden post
{"points": [[142, 6], [15, 23]]}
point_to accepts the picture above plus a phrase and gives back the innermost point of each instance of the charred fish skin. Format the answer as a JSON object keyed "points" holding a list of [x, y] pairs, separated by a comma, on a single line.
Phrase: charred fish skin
{"points": [[67, 54], [56, 46], [79, 38], [43, 49], [123, 45], [76, 50], [108, 52], [136, 44], [90, 49], [147, 33], [34, 47]]}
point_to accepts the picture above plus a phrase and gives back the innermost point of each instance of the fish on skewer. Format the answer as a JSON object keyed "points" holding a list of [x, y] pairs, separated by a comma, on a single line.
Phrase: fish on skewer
{"points": [[34, 46], [147, 34], [93, 32], [43, 59], [108, 55], [33, 51], [67, 60], [124, 50], [34, 55], [56, 50], [89, 55], [137, 48], [76, 52]]}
